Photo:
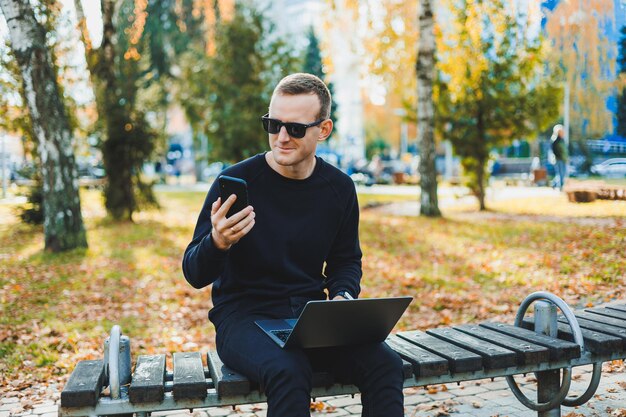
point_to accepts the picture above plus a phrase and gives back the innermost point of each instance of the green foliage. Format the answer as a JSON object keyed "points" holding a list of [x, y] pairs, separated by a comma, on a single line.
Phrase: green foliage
{"points": [[249, 61], [492, 87], [378, 146], [313, 65], [313, 56]]}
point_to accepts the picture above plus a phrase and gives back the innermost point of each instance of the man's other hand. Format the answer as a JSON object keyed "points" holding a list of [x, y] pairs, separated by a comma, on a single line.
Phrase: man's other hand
{"points": [[228, 231]]}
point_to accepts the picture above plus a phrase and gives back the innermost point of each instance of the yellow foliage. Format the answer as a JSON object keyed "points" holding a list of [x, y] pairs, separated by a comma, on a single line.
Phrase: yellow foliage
{"points": [[576, 31], [139, 21]]}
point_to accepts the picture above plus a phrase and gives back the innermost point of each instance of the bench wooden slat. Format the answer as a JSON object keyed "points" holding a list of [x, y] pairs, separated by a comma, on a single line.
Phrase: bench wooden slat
{"points": [[607, 329], [608, 312], [407, 368], [494, 356], [595, 342], [84, 386], [527, 353], [423, 362], [601, 319], [227, 382], [148, 383], [559, 349], [189, 381], [459, 359], [619, 307]]}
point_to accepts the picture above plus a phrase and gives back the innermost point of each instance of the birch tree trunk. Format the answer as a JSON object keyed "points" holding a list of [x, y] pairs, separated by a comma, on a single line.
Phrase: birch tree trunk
{"points": [[425, 69], [63, 223]]}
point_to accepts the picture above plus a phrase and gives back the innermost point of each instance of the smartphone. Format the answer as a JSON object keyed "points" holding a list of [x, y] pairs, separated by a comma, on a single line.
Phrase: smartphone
{"points": [[231, 185]]}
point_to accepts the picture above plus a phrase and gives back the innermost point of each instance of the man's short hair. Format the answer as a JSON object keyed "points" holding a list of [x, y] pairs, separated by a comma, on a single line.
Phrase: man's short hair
{"points": [[302, 83]]}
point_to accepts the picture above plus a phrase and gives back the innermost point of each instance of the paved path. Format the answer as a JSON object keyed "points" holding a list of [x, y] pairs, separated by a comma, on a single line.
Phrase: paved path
{"points": [[475, 398]]}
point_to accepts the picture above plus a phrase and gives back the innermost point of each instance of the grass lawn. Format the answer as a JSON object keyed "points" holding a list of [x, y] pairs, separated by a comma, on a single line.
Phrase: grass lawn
{"points": [[466, 266]]}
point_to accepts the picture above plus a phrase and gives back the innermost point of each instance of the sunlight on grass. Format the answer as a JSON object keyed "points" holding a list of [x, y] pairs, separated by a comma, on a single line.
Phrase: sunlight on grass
{"points": [[560, 206], [544, 206], [376, 199]]}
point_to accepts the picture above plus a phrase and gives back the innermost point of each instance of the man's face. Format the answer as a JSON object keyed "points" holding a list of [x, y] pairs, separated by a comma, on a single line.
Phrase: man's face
{"points": [[294, 153]]}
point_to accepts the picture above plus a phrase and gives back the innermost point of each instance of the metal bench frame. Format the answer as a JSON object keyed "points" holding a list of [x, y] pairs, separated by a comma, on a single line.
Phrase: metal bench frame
{"points": [[226, 388]]}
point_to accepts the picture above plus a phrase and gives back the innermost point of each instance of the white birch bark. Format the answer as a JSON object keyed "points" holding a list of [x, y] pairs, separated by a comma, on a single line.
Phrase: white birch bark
{"points": [[63, 224], [425, 70]]}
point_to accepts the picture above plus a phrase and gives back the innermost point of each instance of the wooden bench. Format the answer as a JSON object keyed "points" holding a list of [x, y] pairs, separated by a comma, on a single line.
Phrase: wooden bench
{"points": [[589, 191], [441, 355]]}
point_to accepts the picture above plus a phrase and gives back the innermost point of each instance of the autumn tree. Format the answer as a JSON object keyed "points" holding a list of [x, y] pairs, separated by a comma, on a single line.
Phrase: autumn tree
{"points": [[195, 45], [425, 70], [63, 223], [581, 47], [116, 69], [390, 48], [389, 54], [249, 61], [621, 98], [492, 85]]}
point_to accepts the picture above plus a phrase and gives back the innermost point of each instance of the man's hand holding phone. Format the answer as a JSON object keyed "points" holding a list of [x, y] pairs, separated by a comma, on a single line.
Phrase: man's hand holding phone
{"points": [[229, 230]]}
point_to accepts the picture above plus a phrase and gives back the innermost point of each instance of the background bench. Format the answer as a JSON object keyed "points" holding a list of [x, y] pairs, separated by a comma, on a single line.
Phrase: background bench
{"points": [[589, 191], [441, 355]]}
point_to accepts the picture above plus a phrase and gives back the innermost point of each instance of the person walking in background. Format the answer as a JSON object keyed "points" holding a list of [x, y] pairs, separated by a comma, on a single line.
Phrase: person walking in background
{"points": [[559, 149]]}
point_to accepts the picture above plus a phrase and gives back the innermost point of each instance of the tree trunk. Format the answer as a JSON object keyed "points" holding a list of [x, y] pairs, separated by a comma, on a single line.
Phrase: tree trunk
{"points": [[117, 148], [480, 184], [425, 68], [481, 158], [63, 223]]}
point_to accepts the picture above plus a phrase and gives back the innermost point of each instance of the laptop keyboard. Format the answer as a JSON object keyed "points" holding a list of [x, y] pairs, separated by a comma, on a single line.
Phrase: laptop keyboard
{"points": [[281, 334]]}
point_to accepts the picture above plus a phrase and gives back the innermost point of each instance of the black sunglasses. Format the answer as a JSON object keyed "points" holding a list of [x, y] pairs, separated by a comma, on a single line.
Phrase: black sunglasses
{"points": [[295, 130]]}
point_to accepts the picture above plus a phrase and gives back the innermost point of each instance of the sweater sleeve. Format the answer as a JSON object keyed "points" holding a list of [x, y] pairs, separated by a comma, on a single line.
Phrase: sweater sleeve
{"points": [[343, 264], [203, 263]]}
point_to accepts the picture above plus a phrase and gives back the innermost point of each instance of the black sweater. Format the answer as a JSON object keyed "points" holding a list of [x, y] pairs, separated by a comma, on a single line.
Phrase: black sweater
{"points": [[305, 239]]}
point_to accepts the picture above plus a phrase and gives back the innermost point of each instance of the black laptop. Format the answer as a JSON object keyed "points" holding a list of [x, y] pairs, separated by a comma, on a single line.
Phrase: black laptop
{"points": [[337, 323]]}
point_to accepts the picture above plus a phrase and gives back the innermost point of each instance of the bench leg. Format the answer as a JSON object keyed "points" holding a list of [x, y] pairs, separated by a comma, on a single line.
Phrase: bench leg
{"points": [[548, 386], [548, 382]]}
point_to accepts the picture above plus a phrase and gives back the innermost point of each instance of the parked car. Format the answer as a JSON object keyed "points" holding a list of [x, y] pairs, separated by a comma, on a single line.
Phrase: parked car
{"points": [[614, 167]]}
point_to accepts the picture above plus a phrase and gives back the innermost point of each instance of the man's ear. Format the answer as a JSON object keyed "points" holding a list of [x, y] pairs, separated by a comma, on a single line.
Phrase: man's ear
{"points": [[326, 128]]}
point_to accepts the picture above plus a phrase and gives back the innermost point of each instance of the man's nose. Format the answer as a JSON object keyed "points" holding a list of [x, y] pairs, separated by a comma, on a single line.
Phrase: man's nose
{"points": [[283, 136]]}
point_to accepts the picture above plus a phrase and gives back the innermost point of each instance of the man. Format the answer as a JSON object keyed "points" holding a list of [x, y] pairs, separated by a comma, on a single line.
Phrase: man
{"points": [[559, 148], [267, 262]]}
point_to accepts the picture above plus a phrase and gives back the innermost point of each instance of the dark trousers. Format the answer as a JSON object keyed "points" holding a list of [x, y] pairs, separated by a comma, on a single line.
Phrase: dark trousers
{"points": [[285, 375]]}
